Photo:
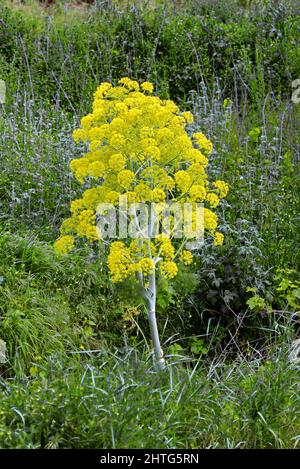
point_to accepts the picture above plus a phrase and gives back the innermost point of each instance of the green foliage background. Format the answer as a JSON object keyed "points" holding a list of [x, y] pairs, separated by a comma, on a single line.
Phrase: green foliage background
{"points": [[77, 348]]}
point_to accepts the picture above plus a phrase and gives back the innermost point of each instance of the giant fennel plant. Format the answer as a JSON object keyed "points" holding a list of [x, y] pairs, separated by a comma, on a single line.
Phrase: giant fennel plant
{"points": [[139, 153]]}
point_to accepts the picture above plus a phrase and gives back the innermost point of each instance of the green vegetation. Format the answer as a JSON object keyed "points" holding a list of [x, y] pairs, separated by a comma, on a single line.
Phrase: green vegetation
{"points": [[78, 368], [109, 400]]}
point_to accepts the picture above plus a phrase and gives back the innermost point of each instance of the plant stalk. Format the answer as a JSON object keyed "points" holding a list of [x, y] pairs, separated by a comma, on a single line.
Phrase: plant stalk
{"points": [[153, 322]]}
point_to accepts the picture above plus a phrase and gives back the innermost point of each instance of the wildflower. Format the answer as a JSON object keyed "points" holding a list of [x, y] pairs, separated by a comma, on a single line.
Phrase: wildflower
{"points": [[218, 239], [146, 265], [125, 178], [96, 169], [138, 149], [130, 84], [183, 181], [213, 199], [158, 195], [64, 245], [143, 192], [67, 226], [222, 188], [117, 140], [186, 257], [210, 220], [86, 121], [188, 116], [118, 261], [80, 134], [168, 269], [147, 86], [202, 142], [167, 250], [197, 193], [80, 168], [117, 162]]}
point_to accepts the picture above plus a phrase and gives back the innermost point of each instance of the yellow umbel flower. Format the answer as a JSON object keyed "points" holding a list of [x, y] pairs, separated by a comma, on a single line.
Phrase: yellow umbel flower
{"points": [[143, 192], [158, 195], [118, 261], [183, 181], [130, 84], [147, 86], [67, 226], [168, 269], [125, 178], [112, 197], [197, 193], [188, 117], [117, 141], [203, 143], [213, 199], [117, 162], [210, 220], [186, 257], [96, 169], [81, 168], [197, 173], [102, 90], [222, 188], [80, 134], [167, 249], [64, 244], [86, 121], [218, 239], [146, 265]]}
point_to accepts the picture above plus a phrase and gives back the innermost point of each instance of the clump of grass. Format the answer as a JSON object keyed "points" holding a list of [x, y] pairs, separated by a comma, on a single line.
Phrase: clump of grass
{"points": [[116, 400], [50, 304]]}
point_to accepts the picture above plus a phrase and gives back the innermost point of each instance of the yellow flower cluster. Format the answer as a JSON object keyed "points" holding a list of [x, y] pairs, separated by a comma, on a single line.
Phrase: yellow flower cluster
{"points": [[86, 227], [64, 245], [130, 84], [125, 178], [117, 162], [218, 239], [222, 188], [213, 199], [138, 148], [186, 257], [183, 181], [197, 193], [118, 261], [210, 220], [188, 117], [158, 195], [168, 269], [203, 143], [124, 261], [147, 86], [146, 265], [167, 249]]}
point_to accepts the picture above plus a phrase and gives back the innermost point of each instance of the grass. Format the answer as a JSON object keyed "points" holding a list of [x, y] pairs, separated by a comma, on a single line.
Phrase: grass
{"points": [[68, 384], [98, 400]]}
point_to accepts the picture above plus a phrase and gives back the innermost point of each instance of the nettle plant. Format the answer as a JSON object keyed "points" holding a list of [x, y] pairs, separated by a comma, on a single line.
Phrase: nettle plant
{"points": [[147, 183]]}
